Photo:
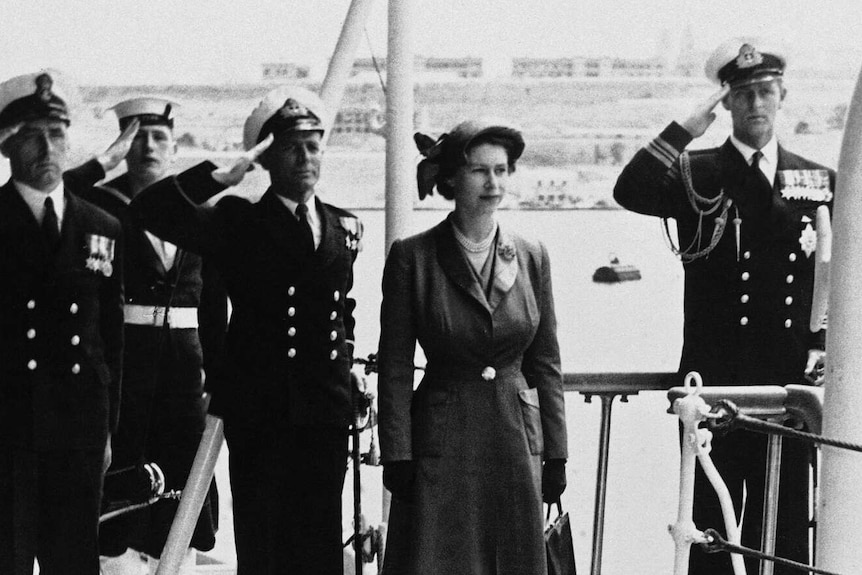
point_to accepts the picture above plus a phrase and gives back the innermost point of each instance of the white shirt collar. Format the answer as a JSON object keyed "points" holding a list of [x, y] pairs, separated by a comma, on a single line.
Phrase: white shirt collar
{"points": [[36, 200], [313, 216], [768, 163]]}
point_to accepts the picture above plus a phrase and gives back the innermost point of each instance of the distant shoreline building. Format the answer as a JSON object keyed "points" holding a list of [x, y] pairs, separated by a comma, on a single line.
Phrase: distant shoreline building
{"points": [[466, 67], [283, 71], [587, 67], [472, 67]]}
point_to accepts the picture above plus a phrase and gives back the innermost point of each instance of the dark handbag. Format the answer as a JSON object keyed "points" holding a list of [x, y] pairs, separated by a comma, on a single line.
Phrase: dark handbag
{"points": [[558, 543]]}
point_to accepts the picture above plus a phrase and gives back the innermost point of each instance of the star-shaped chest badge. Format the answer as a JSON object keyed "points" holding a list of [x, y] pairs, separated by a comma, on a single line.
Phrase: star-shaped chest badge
{"points": [[808, 240]]}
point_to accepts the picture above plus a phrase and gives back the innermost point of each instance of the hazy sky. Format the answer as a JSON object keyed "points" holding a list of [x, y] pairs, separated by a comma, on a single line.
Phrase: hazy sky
{"points": [[215, 41]]}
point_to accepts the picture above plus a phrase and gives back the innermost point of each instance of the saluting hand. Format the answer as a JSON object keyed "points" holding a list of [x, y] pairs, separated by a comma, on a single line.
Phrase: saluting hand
{"points": [[234, 174], [703, 115], [118, 150], [6, 133]]}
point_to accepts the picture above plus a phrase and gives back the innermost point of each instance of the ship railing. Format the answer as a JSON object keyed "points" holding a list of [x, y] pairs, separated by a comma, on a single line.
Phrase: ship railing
{"points": [[767, 403], [763, 402]]}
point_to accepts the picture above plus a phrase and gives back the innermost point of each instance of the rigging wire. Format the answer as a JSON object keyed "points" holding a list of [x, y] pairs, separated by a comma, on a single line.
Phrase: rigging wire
{"points": [[374, 61]]}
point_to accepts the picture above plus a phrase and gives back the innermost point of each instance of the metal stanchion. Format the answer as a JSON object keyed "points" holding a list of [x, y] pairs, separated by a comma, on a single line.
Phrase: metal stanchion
{"points": [[192, 499]]}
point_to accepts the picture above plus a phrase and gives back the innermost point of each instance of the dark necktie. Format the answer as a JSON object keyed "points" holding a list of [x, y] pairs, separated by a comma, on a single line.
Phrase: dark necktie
{"points": [[306, 236], [763, 190], [50, 226]]}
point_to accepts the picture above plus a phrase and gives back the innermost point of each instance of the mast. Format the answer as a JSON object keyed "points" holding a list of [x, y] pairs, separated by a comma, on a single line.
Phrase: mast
{"points": [[841, 499], [341, 63], [400, 150]]}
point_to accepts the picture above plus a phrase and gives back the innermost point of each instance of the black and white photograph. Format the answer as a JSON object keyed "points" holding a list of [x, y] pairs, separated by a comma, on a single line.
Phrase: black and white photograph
{"points": [[419, 287]]}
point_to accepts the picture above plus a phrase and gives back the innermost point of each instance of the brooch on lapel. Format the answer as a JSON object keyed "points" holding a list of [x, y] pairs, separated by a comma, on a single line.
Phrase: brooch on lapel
{"points": [[811, 185], [100, 258], [506, 250], [353, 227]]}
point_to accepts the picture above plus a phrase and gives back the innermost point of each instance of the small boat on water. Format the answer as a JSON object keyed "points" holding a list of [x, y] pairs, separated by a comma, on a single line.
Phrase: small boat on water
{"points": [[616, 272]]}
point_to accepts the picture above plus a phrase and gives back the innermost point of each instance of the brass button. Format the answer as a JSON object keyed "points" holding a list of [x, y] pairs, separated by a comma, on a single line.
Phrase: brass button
{"points": [[744, 298], [746, 255], [790, 279], [792, 257], [788, 300], [745, 276], [73, 309], [291, 311], [31, 365], [332, 316], [788, 322], [291, 290], [489, 373], [31, 304], [336, 295], [31, 333], [333, 354], [291, 331], [76, 369], [291, 352], [743, 320]]}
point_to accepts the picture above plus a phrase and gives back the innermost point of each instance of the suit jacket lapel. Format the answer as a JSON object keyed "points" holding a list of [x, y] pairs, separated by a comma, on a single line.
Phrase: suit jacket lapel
{"points": [[505, 268], [733, 172], [69, 251], [455, 265], [280, 224], [329, 242], [19, 225]]}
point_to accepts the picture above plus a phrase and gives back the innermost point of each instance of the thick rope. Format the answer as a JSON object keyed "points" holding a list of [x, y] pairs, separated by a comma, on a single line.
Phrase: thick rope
{"points": [[734, 419], [716, 543]]}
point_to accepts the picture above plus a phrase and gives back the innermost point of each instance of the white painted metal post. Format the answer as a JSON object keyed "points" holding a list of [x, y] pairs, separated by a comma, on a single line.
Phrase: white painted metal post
{"points": [[770, 502], [194, 493], [841, 499], [400, 150], [823, 255], [332, 89]]}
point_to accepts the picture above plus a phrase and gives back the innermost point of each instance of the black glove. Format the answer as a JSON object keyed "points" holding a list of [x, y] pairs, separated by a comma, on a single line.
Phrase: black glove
{"points": [[398, 477], [553, 480]]}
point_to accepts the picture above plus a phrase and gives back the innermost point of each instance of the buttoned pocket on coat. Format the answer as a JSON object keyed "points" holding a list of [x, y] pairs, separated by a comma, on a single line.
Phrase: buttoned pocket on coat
{"points": [[532, 420], [430, 422]]}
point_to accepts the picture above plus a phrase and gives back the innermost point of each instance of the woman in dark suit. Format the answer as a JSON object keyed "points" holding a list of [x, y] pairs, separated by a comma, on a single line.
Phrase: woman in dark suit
{"points": [[471, 453]]}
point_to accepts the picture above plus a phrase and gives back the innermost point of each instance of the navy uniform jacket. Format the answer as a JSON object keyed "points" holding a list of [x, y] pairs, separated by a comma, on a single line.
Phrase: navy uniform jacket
{"points": [[746, 317], [287, 357], [61, 327], [148, 283]]}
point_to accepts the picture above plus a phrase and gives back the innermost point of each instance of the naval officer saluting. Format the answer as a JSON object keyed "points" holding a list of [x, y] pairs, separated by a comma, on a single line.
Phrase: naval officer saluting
{"points": [[745, 215], [283, 387], [61, 337]]}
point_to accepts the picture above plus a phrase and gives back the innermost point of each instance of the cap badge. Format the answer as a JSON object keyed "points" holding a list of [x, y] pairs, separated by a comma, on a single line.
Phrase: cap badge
{"points": [[293, 109], [44, 83], [748, 57]]}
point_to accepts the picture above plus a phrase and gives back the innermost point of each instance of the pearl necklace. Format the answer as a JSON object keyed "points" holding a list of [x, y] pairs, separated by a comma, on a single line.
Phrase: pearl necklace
{"points": [[471, 246]]}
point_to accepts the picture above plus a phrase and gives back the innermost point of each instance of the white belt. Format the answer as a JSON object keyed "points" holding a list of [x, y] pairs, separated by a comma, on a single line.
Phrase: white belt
{"points": [[178, 317]]}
